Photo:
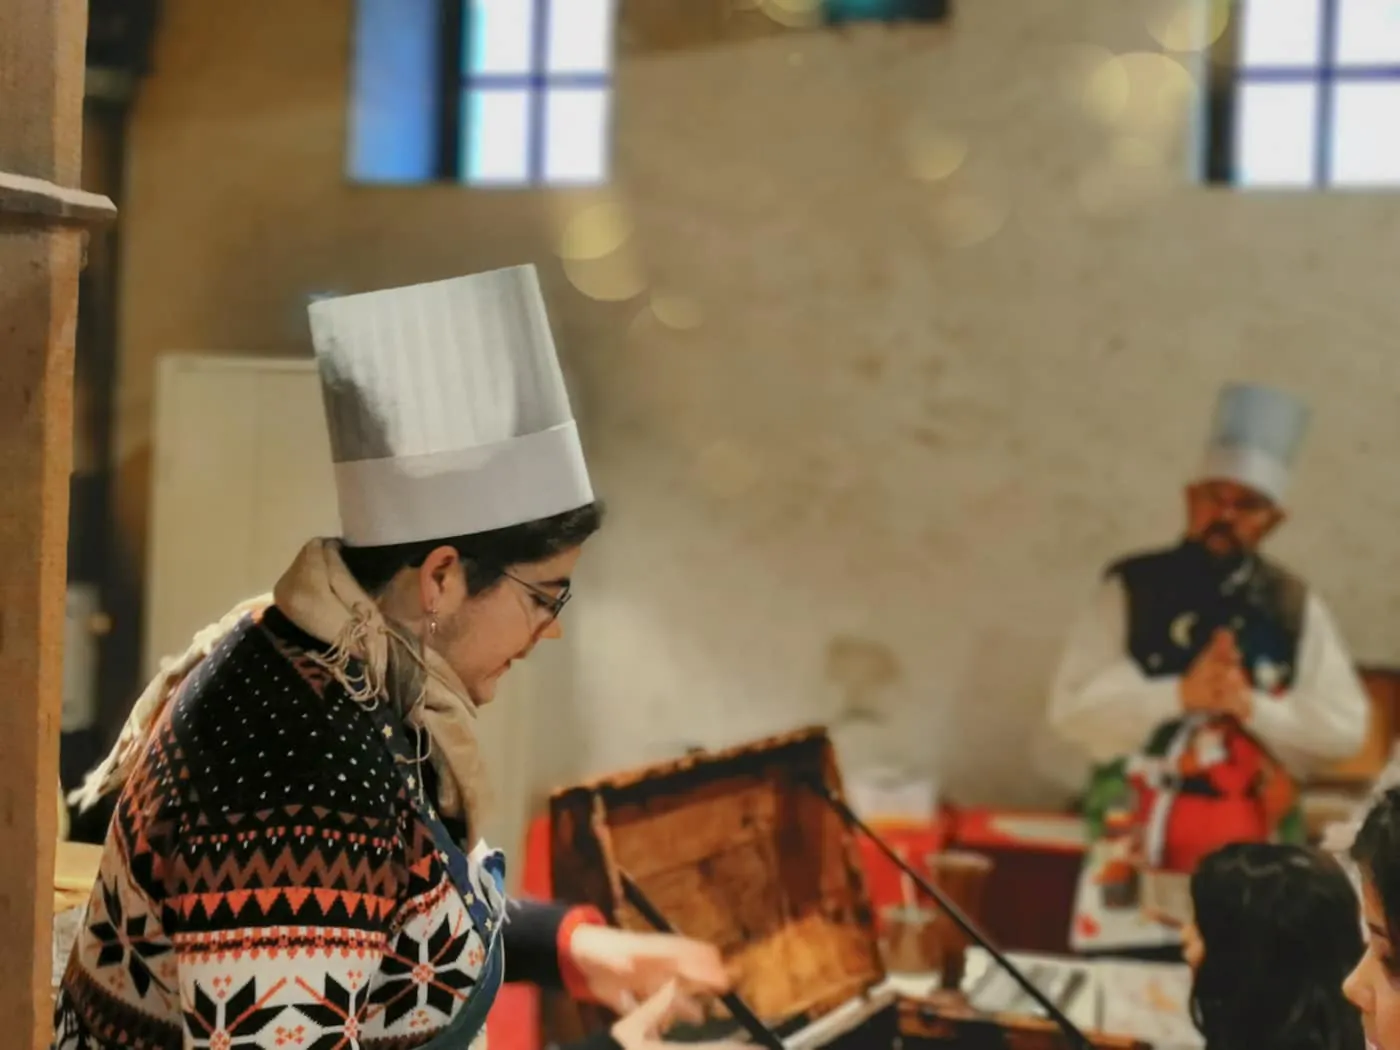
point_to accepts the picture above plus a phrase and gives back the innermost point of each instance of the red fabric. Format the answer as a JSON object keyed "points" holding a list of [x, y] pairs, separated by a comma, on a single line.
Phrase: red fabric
{"points": [[574, 981], [883, 880], [1198, 825], [514, 1021]]}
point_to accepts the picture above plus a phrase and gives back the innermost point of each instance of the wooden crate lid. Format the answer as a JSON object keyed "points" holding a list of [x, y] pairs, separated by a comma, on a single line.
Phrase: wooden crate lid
{"points": [[733, 849]]}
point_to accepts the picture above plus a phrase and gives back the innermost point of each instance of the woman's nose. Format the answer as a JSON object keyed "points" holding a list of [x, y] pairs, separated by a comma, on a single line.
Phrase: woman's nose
{"points": [[1354, 988]]}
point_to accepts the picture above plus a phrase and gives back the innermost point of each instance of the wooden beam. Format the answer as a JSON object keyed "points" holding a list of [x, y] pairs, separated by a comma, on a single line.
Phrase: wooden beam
{"points": [[25, 200], [647, 26], [41, 83]]}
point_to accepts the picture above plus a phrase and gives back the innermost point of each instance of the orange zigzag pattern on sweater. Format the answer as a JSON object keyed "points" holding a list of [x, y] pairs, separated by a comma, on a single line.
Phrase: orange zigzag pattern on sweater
{"points": [[255, 872]]}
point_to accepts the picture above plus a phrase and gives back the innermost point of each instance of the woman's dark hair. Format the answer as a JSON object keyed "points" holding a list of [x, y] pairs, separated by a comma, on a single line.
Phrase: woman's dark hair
{"points": [[1376, 850], [1281, 928], [485, 555]]}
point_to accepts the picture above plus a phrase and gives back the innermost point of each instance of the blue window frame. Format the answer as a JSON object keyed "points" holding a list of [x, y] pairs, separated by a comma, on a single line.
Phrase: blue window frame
{"points": [[1307, 95], [506, 93]]}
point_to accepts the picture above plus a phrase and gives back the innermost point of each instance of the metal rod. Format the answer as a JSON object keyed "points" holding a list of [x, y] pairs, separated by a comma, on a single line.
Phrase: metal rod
{"points": [[747, 1019], [1071, 1031]]}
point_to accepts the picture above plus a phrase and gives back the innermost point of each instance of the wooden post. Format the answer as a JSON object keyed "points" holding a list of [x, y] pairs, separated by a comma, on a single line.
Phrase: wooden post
{"points": [[41, 96]]}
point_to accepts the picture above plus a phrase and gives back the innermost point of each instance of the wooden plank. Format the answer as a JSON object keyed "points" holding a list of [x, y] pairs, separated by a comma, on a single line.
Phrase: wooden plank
{"points": [[41, 83], [648, 26], [945, 1019], [30, 201]]}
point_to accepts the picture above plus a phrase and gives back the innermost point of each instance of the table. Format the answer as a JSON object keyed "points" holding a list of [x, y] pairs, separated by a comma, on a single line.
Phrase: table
{"points": [[1028, 903]]}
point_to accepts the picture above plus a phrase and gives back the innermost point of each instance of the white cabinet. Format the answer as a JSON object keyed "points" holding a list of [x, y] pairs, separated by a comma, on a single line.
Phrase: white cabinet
{"points": [[241, 478]]}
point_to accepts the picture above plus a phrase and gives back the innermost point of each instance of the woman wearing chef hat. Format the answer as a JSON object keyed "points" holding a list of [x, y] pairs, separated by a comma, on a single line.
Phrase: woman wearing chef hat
{"points": [[293, 859]]}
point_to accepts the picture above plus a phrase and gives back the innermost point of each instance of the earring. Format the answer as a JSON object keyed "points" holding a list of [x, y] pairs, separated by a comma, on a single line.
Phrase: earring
{"points": [[432, 623]]}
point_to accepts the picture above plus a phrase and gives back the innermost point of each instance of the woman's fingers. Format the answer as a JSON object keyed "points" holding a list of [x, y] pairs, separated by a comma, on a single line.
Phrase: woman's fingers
{"points": [[687, 1008], [653, 1016], [698, 964]]}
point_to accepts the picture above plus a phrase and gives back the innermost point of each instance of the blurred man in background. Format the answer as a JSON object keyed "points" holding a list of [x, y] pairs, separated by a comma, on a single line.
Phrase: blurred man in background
{"points": [[1201, 681]]}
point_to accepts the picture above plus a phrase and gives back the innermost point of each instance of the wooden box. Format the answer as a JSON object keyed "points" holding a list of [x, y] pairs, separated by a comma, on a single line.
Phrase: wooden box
{"points": [[736, 848]]}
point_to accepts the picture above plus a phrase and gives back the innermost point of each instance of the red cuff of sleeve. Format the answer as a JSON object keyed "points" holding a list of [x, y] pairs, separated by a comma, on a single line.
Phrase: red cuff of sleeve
{"points": [[570, 975]]}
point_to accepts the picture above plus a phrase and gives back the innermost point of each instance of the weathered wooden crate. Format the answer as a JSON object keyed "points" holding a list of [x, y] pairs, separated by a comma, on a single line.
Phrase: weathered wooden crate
{"points": [[736, 848]]}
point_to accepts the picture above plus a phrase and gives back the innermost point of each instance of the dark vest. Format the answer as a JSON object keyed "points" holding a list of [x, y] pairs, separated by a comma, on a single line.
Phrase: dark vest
{"points": [[1177, 598]]}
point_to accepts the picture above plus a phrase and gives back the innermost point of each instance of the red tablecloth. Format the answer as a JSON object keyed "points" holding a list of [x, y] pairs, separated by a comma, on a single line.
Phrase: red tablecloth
{"points": [[1002, 829], [1029, 898]]}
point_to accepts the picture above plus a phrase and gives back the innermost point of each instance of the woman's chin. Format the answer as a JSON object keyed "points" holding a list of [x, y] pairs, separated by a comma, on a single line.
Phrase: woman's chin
{"points": [[483, 691]]}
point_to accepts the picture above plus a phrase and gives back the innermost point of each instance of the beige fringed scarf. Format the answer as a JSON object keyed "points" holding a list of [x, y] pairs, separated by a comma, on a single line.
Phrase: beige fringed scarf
{"points": [[319, 595]]}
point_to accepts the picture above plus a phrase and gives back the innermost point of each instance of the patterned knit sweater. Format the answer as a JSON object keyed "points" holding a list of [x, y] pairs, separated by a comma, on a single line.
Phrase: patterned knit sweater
{"points": [[268, 882]]}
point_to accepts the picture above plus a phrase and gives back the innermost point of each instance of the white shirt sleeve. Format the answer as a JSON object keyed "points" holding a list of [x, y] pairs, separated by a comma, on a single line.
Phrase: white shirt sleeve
{"points": [[1324, 716], [1100, 700]]}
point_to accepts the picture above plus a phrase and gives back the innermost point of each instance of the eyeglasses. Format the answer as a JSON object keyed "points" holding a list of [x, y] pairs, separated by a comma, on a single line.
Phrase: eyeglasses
{"points": [[1238, 501], [550, 603]]}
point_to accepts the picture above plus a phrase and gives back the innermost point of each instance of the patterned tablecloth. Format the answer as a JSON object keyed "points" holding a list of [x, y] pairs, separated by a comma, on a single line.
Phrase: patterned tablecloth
{"points": [[1147, 1001]]}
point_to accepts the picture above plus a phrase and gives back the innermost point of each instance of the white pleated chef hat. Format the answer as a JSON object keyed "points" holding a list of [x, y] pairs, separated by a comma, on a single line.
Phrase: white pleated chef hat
{"points": [[447, 409], [1255, 438]]}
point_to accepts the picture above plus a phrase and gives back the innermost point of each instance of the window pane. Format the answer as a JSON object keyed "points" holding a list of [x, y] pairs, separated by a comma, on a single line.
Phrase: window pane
{"points": [[576, 135], [394, 91], [1275, 134], [580, 35], [1281, 32], [496, 139], [500, 36], [1365, 150], [1368, 32]]}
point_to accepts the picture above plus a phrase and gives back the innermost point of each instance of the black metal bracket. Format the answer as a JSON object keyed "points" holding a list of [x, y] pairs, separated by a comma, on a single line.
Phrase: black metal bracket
{"points": [[743, 1014], [968, 927]]}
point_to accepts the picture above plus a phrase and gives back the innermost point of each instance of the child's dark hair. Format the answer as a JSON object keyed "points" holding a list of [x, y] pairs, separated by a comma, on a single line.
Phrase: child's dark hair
{"points": [[1281, 929], [485, 555]]}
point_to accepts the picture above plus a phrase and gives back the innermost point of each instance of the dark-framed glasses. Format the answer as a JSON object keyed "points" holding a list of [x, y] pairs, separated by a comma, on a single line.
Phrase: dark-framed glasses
{"points": [[553, 604]]}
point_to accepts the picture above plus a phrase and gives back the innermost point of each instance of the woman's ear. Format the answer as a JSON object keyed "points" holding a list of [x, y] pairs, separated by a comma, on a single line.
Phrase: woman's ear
{"points": [[438, 577]]}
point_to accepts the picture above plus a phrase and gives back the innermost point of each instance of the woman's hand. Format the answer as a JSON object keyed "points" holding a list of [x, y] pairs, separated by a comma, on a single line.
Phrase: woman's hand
{"points": [[621, 968], [644, 1026]]}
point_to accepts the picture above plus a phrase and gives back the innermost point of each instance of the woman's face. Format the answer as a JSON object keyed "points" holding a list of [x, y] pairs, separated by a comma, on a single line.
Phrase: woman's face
{"points": [[481, 635], [1374, 986], [1193, 949]]}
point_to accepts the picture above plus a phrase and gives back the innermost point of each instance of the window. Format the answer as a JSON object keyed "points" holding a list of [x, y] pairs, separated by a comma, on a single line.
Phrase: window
{"points": [[537, 92], [1307, 95], [487, 92]]}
